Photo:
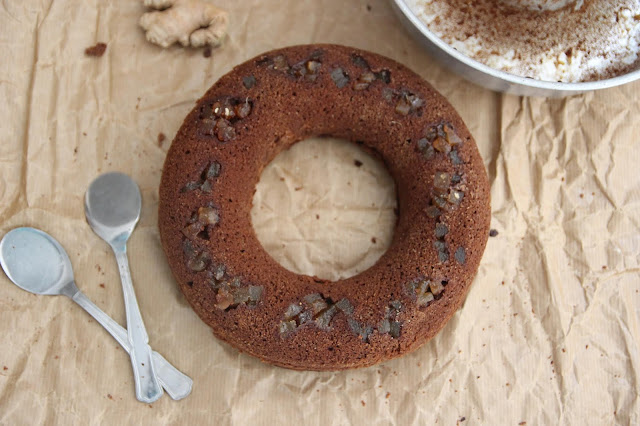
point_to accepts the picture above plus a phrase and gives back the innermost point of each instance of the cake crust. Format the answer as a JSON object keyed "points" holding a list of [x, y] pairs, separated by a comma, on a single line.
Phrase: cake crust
{"points": [[295, 321]]}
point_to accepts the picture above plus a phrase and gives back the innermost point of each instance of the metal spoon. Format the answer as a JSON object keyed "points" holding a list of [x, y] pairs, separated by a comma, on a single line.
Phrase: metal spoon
{"points": [[37, 263], [112, 206]]}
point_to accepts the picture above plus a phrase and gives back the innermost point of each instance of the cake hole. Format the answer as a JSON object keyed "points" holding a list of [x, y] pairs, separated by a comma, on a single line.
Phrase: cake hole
{"points": [[326, 227]]}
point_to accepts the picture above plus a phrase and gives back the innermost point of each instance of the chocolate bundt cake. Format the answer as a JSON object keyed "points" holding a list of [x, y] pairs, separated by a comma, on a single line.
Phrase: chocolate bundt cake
{"points": [[264, 106]]}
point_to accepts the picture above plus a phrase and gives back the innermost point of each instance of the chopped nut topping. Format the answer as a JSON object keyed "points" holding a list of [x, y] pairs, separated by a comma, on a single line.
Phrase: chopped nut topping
{"points": [[345, 306], [218, 274], [287, 327], [444, 139], [407, 102], [455, 197], [441, 180], [231, 293], [198, 262], [224, 131], [208, 215], [339, 78], [313, 66], [425, 298], [243, 110], [441, 145], [204, 184], [384, 75], [394, 330], [441, 230], [387, 94], [354, 325], [367, 77], [190, 186], [426, 148], [280, 63], [433, 212], [317, 303], [320, 311], [217, 118], [224, 299], [324, 319], [292, 311], [358, 85], [423, 290], [249, 81], [403, 107], [422, 144], [384, 326], [455, 159], [255, 293], [436, 288], [360, 61], [451, 136], [213, 170], [306, 69]]}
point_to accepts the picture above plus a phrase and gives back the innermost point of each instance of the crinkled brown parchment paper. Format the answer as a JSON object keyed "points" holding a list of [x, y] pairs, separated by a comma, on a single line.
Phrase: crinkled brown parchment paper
{"points": [[548, 334]]}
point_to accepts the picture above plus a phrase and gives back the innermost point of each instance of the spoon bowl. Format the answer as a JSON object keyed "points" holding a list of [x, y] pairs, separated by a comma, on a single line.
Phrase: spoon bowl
{"points": [[112, 206], [35, 262]]}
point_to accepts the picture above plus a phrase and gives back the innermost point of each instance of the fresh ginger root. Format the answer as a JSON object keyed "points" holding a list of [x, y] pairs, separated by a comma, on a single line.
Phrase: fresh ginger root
{"points": [[189, 22]]}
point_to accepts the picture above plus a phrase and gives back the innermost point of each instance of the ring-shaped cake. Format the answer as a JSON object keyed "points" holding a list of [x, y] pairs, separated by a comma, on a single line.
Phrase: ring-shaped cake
{"points": [[296, 321]]}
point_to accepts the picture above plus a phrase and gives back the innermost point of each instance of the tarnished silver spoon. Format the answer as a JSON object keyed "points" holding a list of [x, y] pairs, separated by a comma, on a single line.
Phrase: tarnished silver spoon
{"points": [[112, 206], [34, 261]]}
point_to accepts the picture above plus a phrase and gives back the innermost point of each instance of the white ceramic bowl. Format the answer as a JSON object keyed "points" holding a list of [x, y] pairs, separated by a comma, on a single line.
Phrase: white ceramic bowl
{"points": [[492, 78]]}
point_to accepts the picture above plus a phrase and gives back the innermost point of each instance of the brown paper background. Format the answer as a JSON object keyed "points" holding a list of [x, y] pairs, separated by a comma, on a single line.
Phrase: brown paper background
{"points": [[548, 334]]}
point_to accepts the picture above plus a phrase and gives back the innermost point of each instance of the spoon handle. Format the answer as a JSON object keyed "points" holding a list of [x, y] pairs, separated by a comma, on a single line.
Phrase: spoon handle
{"points": [[171, 379], [147, 387]]}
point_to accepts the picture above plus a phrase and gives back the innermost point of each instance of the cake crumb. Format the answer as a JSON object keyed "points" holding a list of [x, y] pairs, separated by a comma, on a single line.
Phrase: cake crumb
{"points": [[97, 50], [387, 395], [358, 163], [373, 240], [161, 138], [5, 368], [101, 285], [363, 403], [207, 52], [109, 396], [493, 232]]}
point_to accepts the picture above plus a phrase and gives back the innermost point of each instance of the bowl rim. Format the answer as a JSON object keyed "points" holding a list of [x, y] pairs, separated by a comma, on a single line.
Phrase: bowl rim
{"points": [[508, 77]]}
